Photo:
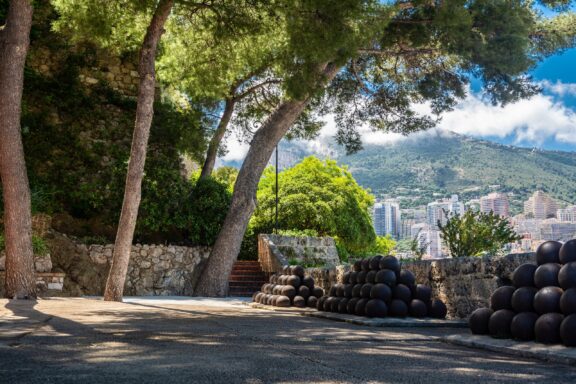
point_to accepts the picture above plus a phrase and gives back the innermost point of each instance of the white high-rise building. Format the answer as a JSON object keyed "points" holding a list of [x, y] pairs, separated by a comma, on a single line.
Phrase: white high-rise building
{"points": [[387, 218], [540, 206], [435, 211], [567, 214], [429, 239], [495, 202]]}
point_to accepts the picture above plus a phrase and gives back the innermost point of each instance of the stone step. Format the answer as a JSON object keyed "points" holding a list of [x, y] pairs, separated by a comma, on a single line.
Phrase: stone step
{"points": [[247, 270], [251, 277], [245, 283]]}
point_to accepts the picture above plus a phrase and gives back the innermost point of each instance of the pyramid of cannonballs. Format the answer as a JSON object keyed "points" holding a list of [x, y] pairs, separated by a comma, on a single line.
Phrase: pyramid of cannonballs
{"points": [[291, 287], [541, 304], [379, 287]]}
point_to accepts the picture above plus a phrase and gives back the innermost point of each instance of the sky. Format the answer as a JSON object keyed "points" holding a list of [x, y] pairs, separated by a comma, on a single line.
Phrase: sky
{"points": [[545, 121]]}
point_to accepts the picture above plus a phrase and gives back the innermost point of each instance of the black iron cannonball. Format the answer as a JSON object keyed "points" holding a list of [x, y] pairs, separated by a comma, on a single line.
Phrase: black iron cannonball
{"points": [[366, 289], [312, 302], [360, 309], [522, 326], [376, 308], [423, 293], [548, 252], [375, 263], [418, 308], [298, 270], [382, 292], [264, 288], [547, 328], [502, 298], [332, 290], [304, 291], [258, 297], [274, 279], [293, 281], [479, 321], [547, 300], [371, 277], [299, 302], [402, 292], [365, 265], [406, 277], [335, 303], [352, 277], [523, 299], [343, 305], [437, 309], [320, 303], [275, 298], [308, 281], [390, 262], [398, 308], [346, 278], [357, 290], [568, 331], [568, 252], [351, 306], [499, 324], [386, 276], [280, 280], [340, 290], [254, 295], [283, 301], [348, 288], [567, 275], [275, 289], [318, 292], [286, 270], [357, 267], [361, 277], [568, 302], [546, 275], [523, 276]]}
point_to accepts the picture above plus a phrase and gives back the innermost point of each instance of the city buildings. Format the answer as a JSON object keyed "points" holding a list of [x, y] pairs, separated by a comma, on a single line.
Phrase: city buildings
{"points": [[435, 210], [540, 206], [567, 214], [495, 202], [387, 218]]}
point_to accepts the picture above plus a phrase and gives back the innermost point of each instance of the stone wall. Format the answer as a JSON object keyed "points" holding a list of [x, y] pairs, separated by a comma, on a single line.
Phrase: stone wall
{"points": [[464, 284], [47, 283]]}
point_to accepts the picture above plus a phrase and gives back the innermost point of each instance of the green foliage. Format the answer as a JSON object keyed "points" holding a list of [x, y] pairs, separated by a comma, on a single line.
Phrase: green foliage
{"points": [[226, 175], [317, 195], [476, 233], [39, 246], [384, 245], [2, 242], [298, 232]]}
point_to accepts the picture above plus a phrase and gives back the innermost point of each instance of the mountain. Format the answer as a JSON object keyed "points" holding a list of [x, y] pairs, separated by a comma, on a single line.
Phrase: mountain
{"points": [[428, 166]]}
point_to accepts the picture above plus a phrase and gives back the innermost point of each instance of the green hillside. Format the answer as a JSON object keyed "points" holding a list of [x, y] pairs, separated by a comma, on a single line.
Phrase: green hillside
{"points": [[420, 168]]}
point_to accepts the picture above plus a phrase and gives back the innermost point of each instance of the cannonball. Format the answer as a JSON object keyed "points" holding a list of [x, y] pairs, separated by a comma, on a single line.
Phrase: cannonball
{"points": [[334, 304], [479, 321], [273, 300], [402, 292], [274, 279], [406, 277], [390, 262], [264, 299], [376, 308], [258, 297], [346, 278], [499, 324], [365, 265], [568, 302], [320, 303], [548, 252], [281, 280], [547, 300], [351, 306], [568, 331], [275, 289], [348, 291], [308, 281], [352, 277], [502, 298], [423, 293], [318, 292], [546, 275], [382, 292], [283, 301], [288, 290], [437, 309], [340, 290], [264, 288], [254, 295], [547, 328], [371, 277], [386, 276], [293, 281], [567, 275], [361, 277], [418, 308], [568, 252], [304, 291], [343, 306], [286, 270], [375, 263], [357, 266], [522, 326], [365, 292], [523, 299], [360, 309], [297, 270], [328, 303], [357, 290], [299, 302], [312, 301], [398, 308], [523, 276], [333, 290]]}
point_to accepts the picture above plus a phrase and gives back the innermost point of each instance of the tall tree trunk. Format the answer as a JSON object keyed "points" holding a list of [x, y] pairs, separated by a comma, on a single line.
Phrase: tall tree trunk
{"points": [[214, 279], [14, 42], [132, 193], [212, 152]]}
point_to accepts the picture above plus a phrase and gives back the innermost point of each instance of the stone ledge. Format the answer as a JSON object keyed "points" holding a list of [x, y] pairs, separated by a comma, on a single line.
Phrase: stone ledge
{"points": [[299, 311], [389, 322], [551, 353]]}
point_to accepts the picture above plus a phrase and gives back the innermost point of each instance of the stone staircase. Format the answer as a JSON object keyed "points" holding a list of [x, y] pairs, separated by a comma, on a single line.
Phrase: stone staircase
{"points": [[247, 277]]}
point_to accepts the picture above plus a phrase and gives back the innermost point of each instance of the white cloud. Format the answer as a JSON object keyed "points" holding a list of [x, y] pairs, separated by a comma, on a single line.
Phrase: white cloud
{"points": [[559, 88]]}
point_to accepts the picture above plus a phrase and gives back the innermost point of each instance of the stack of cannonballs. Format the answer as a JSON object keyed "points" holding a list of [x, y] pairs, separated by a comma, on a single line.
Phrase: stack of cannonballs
{"points": [[289, 288], [378, 287], [541, 305]]}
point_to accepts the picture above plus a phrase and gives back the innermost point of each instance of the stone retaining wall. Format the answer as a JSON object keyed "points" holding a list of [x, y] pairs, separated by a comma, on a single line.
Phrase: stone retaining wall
{"points": [[47, 283]]}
